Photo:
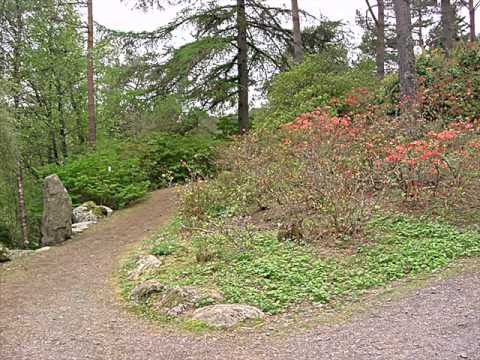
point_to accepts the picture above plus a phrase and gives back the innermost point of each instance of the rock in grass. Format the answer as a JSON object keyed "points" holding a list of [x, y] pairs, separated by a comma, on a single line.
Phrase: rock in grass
{"points": [[146, 289], [180, 300], [227, 315], [146, 264], [57, 212]]}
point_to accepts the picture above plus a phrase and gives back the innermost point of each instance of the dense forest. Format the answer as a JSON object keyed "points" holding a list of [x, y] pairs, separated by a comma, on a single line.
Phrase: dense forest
{"points": [[117, 114]]}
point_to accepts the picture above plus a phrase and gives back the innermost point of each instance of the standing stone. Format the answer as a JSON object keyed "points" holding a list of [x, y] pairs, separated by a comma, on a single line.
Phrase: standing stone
{"points": [[57, 212]]}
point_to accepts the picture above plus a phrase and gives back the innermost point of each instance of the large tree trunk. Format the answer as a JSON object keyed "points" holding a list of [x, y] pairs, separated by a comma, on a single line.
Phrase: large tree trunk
{"points": [[92, 126], [298, 53], [380, 58], [243, 107], [408, 86], [471, 11], [448, 25]]}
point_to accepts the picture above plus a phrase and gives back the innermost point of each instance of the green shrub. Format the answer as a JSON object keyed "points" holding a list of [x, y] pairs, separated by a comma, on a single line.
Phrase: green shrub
{"points": [[173, 158], [311, 85], [164, 248], [104, 177]]}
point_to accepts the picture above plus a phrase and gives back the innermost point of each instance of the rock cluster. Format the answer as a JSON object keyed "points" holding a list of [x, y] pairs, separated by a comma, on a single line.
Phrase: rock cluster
{"points": [[190, 302], [88, 214]]}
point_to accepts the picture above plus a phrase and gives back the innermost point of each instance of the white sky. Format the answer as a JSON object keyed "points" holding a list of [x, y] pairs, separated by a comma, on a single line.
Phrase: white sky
{"points": [[119, 16]]}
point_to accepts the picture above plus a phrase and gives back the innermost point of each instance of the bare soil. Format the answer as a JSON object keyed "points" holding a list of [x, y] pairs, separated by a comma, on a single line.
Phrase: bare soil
{"points": [[62, 305]]}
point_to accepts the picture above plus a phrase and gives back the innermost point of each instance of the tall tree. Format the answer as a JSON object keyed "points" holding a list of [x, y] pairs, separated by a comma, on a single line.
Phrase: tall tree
{"points": [[17, 46], [423, 18], [298, 52], [379, 20], [92, 126], [379, 39], [238, 46], [407, 68], [40, 44], [471, 13], [448, 25], [243, 99]]}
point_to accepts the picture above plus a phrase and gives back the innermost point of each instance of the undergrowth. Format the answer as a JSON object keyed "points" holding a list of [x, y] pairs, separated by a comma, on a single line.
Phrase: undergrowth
{"points": [[257, 268]]}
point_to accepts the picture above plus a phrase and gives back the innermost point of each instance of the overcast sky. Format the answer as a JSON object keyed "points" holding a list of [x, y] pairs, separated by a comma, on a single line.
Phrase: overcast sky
{"points": [[120, 16]]}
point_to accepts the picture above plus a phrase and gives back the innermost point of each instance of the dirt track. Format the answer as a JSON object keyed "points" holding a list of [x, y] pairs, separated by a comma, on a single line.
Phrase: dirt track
{"points": [[61, 305]]}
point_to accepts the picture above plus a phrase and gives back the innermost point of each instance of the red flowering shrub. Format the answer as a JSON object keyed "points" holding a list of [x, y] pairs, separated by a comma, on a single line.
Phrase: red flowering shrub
{"points": [[326, 175]]}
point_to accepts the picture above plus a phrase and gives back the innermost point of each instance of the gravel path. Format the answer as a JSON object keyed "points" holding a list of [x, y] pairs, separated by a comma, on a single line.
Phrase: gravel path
{"points": [[61, 305]]}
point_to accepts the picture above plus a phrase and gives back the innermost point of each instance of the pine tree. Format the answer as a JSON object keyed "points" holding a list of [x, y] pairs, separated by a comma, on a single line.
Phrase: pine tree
{"points": [[237, 46]]}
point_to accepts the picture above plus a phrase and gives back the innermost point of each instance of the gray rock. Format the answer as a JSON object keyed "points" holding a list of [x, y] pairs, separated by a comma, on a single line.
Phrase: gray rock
{"points": [[180, 300], [15, 254], [82, 214], [43, 249], [57, 212], [227, 315], [90, 212], [106, 210], [144, 290], [146, 264], [81, 227], [4, 254]]}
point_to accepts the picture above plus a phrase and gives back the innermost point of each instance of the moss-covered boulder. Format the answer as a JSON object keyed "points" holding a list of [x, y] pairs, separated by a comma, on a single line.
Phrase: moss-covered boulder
{"points": [[181, 300]]}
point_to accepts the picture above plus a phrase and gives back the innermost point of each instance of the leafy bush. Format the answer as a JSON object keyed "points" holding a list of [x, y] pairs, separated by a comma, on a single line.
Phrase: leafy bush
{"points": [[170, 159], [104, 177], [124, 173], [448, 88], [313, 84]]}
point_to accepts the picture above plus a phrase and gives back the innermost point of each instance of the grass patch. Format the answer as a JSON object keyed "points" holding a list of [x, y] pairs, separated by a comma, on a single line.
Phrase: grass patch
{"points": [[256, 268]]}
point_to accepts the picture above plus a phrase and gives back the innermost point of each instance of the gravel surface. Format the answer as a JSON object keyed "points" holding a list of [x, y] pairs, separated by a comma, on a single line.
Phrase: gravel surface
{"points": [[61, 305]]}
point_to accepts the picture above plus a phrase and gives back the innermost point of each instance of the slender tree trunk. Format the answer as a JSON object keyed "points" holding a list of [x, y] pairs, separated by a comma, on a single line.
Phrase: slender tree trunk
{"points": [[408, 87], [421, 41], [78, 118], [298, 52], [22, 209], [380, 56], [53, 139], [63, 125], [471, 11], [379, 20], [448, 25], [243, 106], [92, 126]]}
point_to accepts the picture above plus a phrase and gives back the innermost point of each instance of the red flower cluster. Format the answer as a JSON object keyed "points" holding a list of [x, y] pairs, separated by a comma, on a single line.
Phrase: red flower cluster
{"points": [[318, 120]]}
